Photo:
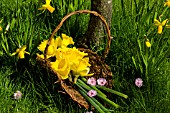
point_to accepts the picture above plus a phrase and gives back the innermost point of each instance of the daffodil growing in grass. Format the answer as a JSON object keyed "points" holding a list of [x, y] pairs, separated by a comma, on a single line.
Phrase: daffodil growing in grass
{"points": [[147, 42], [160, 25], [21, 52], [167, 3], [0, 25], [47, 6]]}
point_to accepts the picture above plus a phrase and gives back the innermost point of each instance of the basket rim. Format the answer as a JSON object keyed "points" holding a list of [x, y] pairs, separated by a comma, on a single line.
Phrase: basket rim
{"points": [[107, 48]]}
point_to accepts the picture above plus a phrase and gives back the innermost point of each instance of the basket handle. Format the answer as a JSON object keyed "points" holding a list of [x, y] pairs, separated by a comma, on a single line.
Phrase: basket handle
{"points": [[79, 12]]}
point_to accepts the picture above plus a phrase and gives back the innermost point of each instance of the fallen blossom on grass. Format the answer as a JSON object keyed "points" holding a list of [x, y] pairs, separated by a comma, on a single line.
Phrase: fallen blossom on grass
{"points": [[89, 112], [17, 95], [139, 82]]}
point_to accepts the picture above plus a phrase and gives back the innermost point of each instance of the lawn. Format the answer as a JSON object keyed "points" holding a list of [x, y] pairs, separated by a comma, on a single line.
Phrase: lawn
{"points": [[139, 49]]}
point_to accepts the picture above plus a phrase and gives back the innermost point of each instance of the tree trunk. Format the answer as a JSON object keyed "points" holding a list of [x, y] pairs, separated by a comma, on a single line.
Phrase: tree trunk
{"points": [[95, 32]]}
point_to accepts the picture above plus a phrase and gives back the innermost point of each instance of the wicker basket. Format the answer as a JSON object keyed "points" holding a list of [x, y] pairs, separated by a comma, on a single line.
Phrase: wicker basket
{"points": [[98, 66]]}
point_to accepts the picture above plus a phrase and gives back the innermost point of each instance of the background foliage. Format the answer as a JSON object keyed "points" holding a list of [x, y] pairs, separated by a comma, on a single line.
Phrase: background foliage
{"points": [[128, 58]]}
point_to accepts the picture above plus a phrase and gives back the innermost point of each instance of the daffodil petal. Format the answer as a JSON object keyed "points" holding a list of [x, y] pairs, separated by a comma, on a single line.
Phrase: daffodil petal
{"points": [[40, 56], [156, 22], [23, 48], [61, 67], [42, 46], [84, 72], [66, 40], [27, 53], [164, 22], [167, 3], [14, 53], [50, 50], [48, 2], [50, 8]]}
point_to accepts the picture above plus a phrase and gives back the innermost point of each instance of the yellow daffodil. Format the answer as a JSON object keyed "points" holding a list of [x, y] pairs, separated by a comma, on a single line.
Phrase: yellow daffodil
{"points": [[47, 6], [74, 60], [61, 67], [42, 56], [56, 43], [148, 44], [51, 49], [81, 68], [66, 40], [72, 54], [167, 3], [160, 25], [21, 51]]}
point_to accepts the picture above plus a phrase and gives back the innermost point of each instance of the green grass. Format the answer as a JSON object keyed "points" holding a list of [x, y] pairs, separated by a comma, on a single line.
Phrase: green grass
{"points": [[128, 57]]}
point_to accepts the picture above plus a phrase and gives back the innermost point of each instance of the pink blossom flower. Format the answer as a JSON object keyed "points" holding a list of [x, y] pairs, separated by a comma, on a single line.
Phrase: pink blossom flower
{"points": [[101, 81], [139, 82], [91, 81], [17, 95], [92, 93]]}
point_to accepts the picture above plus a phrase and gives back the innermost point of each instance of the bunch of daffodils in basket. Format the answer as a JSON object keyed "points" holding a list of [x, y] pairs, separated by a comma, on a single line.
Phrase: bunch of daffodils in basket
{"points": [[72, 64]]}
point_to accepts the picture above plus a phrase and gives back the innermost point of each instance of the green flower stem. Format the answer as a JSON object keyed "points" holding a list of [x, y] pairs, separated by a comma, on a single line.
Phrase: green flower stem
{"points": [[112, 91], [93, 87], [90, 87], [84, 93], [108, 101], [99, 104], [98, 94], [165, 10]]}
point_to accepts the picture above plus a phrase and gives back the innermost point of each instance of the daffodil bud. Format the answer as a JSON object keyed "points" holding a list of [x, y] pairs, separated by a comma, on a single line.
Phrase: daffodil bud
{"points": [[148, 44]]}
